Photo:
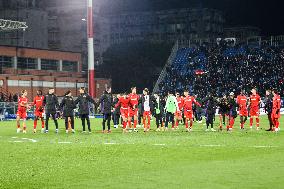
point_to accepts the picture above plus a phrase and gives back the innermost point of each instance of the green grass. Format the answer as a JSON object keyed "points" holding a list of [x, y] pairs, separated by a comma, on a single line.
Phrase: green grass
{"points": [[248, 159]]}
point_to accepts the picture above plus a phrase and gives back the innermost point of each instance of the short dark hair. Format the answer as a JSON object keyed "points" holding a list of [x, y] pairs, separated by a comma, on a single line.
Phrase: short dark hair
{"points": [[39, 91], [146, 90], [67, 92]]}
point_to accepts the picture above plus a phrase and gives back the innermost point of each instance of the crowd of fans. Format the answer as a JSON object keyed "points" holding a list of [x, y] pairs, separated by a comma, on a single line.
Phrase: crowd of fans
{"points": [[225, 68]]}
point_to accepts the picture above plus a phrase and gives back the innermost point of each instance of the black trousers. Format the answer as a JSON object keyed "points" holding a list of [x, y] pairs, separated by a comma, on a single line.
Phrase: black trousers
{"points": [[72, 122], [210, 119], [48, 115], [116, 119], [159, 120], [107, 118], [170, 117], [270, 120], [84, 118]]}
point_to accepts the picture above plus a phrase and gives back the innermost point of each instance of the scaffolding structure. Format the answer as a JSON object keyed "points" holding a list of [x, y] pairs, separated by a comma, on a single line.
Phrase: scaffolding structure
{"points": [[10, 25]]}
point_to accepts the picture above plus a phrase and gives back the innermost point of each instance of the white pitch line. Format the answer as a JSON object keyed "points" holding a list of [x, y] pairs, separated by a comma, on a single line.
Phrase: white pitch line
{"points": [[211, 145], [64, 142], [264, 146], [111, 143], [14, 137], [30, 139], [159, 144]]}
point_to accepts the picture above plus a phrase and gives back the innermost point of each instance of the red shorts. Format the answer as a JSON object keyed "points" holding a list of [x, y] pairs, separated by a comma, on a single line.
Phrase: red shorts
{"points": [[22, 113], [254, 111], [243, 112], [133, 112], [124, 112], [188, 114], [178, 114], [146, 113], [274, 115], [38, 113]]}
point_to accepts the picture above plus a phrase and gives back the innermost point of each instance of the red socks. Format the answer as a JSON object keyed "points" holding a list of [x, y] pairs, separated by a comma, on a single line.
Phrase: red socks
{"points": [[250, 121], [257, 122], [186, 124], [124, 123]]}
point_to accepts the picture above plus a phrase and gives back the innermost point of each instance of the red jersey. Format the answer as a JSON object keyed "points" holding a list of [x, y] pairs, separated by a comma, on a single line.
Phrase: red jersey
{"points": [[276, 102], [254, 101], [22, 103], [180, 102], [38, 101], [133, 100], [187, 102], [123, 103], [242, 101]]}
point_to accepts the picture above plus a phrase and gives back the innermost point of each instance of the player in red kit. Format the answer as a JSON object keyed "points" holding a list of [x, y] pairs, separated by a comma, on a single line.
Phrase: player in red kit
{"points": [[22, 110], [123, 102], [275, 116], [178, 114], [243, 111], [133, 108], [38, 103], [254, 108], [187, 108]]}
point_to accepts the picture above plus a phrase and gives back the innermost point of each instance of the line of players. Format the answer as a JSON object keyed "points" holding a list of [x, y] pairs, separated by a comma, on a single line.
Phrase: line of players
{"points": [[50, 105], [171, 109]]}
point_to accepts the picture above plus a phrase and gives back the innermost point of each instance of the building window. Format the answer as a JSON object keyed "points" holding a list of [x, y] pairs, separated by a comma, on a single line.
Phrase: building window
{"points": [[81, 85], [6, 61], [51, 65], [27, 63], [65, 85], [69, 66], [37, 83], [47, 84]]}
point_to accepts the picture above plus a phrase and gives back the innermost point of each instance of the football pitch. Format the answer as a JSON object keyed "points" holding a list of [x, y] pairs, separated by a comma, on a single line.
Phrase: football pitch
{"points": [[173, 159]]}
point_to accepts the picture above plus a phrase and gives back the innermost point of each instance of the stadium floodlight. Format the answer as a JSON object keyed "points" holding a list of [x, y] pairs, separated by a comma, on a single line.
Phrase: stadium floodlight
{"points": [[91, 64], [8, 25]]}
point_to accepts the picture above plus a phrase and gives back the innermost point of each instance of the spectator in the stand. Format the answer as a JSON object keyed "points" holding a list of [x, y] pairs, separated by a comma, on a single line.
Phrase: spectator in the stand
{"points": [[225, 68]]}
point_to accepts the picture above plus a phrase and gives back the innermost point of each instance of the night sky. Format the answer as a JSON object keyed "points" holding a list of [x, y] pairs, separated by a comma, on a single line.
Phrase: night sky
{"points": [[268, 15]]}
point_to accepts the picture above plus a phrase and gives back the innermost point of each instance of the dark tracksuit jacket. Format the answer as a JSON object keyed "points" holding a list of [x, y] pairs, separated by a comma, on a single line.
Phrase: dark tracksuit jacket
{"points": [[83, 101], [51, 103]]}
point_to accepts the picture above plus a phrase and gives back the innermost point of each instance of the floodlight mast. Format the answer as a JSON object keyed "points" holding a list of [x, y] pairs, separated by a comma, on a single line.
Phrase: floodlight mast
{"points": [[91, 64], [9, 25]]}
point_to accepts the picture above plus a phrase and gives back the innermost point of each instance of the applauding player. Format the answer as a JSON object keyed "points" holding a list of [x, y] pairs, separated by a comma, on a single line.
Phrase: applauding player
{"points": [[276, 110], [187, 107], [133, 108], [22, 111], [178, 114], [254, 108], [243, 111], [123, 102], [38, 103]]}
